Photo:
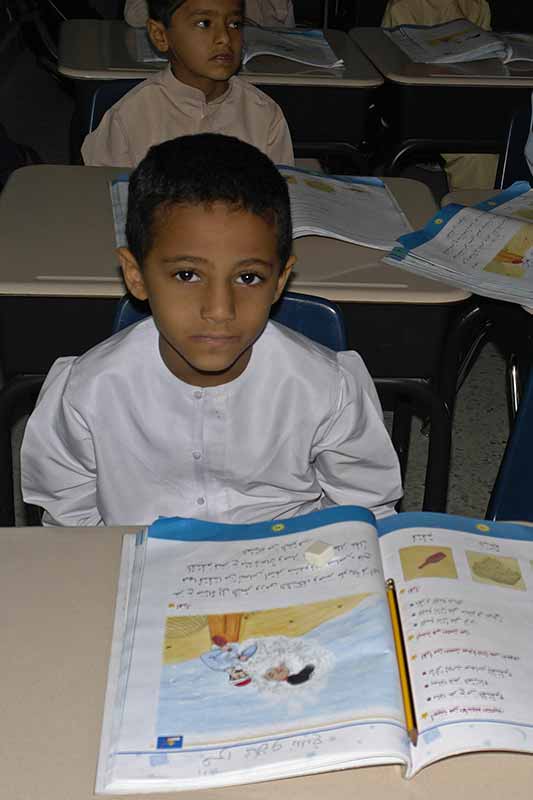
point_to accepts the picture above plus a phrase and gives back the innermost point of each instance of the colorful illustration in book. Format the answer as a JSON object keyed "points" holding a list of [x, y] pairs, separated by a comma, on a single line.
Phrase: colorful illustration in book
{"points": [[458, 37], [525, 213], [495, 570], [276, 669], [424, 561], [320, 185], [516, 258]]}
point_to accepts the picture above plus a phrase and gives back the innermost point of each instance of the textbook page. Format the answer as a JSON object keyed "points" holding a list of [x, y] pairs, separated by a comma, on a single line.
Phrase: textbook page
{"points": [[465, 595], [250, 664], [358, 210], [305, 46], [487, 253], [449, 42]]}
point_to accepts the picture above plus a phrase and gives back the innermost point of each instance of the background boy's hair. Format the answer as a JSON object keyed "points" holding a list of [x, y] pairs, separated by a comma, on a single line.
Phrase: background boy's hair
{"points": [[162, 10], [201, 170]]}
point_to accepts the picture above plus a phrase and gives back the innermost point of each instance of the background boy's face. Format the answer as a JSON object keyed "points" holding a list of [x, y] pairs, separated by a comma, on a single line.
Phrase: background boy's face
{"points": [[204, 43], [211, 277]]}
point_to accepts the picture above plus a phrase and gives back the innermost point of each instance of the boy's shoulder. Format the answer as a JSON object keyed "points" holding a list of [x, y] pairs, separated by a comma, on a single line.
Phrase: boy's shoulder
{"points": [[305, 356], [131, 350], [145, 91], [251, 94]]}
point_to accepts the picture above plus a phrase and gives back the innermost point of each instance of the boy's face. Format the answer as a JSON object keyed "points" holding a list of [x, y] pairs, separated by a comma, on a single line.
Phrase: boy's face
{"points": [[204, 43], [211, 278]]}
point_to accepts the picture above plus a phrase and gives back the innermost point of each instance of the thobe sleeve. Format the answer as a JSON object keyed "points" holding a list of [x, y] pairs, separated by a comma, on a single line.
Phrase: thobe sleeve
{"points": [[355, 461], [58, 465], [279, 143], [108, 145]]}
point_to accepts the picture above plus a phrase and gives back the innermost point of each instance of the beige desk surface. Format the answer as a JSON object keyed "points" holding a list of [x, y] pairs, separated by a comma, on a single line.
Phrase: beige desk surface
{"points": [[92, 49], [57, 239], [396, 66], [57, 593]]}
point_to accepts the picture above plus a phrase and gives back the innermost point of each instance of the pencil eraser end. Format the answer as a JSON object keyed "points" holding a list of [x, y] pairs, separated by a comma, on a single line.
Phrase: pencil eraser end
{"points": [[318, 554]]}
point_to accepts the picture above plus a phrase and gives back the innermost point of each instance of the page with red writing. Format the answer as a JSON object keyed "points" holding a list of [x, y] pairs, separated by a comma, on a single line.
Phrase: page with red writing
{"points": [[465, 596]]}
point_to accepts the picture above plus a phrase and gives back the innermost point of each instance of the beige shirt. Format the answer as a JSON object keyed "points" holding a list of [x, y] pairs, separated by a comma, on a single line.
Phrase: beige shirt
{"points": [[263, 12], [434, 12], [162, 108]]}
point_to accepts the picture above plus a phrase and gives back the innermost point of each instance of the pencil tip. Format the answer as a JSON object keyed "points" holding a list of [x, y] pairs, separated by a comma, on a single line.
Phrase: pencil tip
{"points": [[413, 736]]}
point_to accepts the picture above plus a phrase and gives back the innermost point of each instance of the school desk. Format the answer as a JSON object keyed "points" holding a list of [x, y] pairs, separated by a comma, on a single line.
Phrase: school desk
{"points": [[57, 596], [320, 105], [443, 107], [60, 278]]}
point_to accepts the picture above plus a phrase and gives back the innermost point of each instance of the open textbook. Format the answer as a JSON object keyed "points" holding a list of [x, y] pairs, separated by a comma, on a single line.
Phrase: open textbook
{"points": [[459, 41], [358, 210], [235, 660], [308, 46], [486, 249]]}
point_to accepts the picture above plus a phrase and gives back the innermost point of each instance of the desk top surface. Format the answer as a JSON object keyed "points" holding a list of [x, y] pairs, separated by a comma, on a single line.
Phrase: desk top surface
{"points": [[68, 248], [397, 67], [91, 49], [57, 595]]}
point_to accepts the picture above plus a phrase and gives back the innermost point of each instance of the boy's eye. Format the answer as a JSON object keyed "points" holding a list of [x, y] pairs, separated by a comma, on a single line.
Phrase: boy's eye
{"points": [[204, 23], [236, 24], [250, 278], [187, 276]]}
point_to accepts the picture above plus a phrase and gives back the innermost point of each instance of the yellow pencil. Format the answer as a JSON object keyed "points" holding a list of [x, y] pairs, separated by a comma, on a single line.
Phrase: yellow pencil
{"points": [[401, 657]]}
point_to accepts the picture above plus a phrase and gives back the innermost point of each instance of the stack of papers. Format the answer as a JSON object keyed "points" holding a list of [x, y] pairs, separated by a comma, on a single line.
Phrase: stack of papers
{"points": [[357, 210], [447, 43], [305, 46], [486, 249]]}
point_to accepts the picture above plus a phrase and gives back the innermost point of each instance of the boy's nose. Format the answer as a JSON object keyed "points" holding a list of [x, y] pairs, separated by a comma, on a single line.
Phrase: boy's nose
{"points": [[218, 304], [222, 33]]}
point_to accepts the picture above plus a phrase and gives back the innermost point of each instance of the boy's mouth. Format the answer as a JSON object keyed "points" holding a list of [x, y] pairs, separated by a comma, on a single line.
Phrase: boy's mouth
{"points": [[223, 58]]}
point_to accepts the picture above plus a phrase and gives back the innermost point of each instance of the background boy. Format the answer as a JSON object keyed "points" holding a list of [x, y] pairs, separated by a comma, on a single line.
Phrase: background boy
{"points": [[198, 91], [207, 409]]}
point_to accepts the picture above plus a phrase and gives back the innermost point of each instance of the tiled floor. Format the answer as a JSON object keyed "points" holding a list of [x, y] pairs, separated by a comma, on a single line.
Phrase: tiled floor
{"points": [[36, 110]]}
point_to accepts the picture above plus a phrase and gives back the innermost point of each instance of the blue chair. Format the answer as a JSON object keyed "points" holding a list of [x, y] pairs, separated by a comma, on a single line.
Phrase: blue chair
{"points": [[106, 96], [512, 165], [512, 495], [315, 317]]}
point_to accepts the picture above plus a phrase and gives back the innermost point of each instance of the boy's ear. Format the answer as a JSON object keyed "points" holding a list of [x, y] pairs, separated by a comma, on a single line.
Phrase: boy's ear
{"points": [[133, 276], [158, 35], [283, 277]]}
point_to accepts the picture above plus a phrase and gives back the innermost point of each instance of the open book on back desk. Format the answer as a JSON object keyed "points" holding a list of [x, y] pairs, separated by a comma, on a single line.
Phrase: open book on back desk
{"points": [[459, 41], [486, 249], [358, 210], [306, 46], [236, 660]]}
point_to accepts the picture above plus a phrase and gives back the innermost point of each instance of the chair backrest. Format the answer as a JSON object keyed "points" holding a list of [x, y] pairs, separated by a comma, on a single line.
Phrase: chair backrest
{"points": [[512, 494], [513, 165], [315, 317], [105, 96]]}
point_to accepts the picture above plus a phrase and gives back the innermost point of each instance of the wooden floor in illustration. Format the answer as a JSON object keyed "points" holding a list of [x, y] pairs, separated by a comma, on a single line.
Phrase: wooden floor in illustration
{"points": [[188, 637]]}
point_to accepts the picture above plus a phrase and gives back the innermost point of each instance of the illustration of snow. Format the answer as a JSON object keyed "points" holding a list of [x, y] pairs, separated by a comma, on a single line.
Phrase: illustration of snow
{"points": [[289, 666], [434, 558]]}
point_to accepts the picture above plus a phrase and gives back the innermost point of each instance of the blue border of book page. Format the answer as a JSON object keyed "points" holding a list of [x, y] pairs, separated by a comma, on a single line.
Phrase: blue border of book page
{"points": [[185, 529], [479, 527], [426, 27], [515, 190]]}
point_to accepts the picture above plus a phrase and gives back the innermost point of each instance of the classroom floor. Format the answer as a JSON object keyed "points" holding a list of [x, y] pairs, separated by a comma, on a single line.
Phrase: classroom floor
{"points": [[36, 109]]}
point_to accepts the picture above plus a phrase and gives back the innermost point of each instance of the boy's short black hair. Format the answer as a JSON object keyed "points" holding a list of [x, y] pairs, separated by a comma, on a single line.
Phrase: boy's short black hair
{"points": [[162, 10], [201, 170]]}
